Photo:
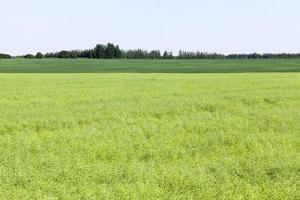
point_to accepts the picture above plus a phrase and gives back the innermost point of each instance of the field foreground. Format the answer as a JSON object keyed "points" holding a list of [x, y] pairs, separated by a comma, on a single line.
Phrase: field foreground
{"points": [[147, 136]]}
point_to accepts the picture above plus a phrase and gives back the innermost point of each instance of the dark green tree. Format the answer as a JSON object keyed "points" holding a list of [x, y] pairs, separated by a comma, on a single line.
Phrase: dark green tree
{"points": [[117, 52], [168, 55], [89, 53], [29, 56], [155, 54], [100, 51], [74, 54], [64, 54], [4, 56], [39, 55], [110, 51]]}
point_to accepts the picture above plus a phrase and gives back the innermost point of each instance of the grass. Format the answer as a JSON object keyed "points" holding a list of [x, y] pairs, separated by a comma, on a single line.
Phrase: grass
{"points": [[148, 136], [147, 66]]}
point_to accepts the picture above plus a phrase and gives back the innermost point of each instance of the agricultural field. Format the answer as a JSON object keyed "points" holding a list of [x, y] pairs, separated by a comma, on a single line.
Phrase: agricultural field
{"points": [[147, 66], [174, 133]]}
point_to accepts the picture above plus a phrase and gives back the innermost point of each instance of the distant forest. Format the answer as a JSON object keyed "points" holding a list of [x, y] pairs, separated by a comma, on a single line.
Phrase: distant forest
{"points": [[111, 51]]}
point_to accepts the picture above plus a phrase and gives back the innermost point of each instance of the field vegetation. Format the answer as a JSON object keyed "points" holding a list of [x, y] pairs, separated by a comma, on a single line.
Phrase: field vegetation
{"points": [[148, 65], [149, 129]]}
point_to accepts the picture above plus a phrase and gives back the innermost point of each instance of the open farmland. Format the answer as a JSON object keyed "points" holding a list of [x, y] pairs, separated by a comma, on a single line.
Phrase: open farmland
{"points": [[148, 66], [149, 136]]}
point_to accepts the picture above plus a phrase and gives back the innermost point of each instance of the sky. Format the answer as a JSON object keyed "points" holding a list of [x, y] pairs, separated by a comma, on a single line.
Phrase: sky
{"points": [[222, 26]]}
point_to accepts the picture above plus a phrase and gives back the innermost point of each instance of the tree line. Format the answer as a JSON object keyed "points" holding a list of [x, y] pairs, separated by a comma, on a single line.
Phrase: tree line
{"points": [[111, 51], [4, 56]]}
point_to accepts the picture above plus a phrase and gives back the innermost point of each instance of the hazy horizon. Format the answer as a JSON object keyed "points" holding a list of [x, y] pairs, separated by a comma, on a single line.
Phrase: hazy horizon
{"points": [[226, 27]]}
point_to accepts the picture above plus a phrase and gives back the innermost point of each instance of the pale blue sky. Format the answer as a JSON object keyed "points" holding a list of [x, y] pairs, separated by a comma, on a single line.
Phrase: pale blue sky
{"points": [[224, 26]]}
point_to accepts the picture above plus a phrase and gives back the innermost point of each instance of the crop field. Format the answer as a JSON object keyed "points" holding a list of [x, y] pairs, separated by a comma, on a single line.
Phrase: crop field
{"points": [[147, 66], [159, 135]]}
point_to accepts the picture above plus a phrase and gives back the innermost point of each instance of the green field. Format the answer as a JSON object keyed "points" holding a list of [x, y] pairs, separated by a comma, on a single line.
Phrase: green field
{"points": [[147, 66], [149, 135]]}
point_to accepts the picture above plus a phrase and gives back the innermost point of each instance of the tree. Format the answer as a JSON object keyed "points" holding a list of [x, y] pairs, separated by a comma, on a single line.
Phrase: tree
{"points": [[29, 56], [64, 54], [117, 52], [165, 55], [137, 54], [49, 55], [4, 56], [39, 55], [88, 53], [155, 54], [168, 55], [100, 51], [74, 54], [110, 51]]}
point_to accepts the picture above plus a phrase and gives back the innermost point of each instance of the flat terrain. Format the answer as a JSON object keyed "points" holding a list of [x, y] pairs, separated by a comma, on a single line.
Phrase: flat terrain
{"points": [[149, 136], [147, 66]]}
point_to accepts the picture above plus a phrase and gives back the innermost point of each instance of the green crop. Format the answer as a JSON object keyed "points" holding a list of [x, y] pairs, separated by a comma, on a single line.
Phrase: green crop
{"points": [[149, 136]]}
